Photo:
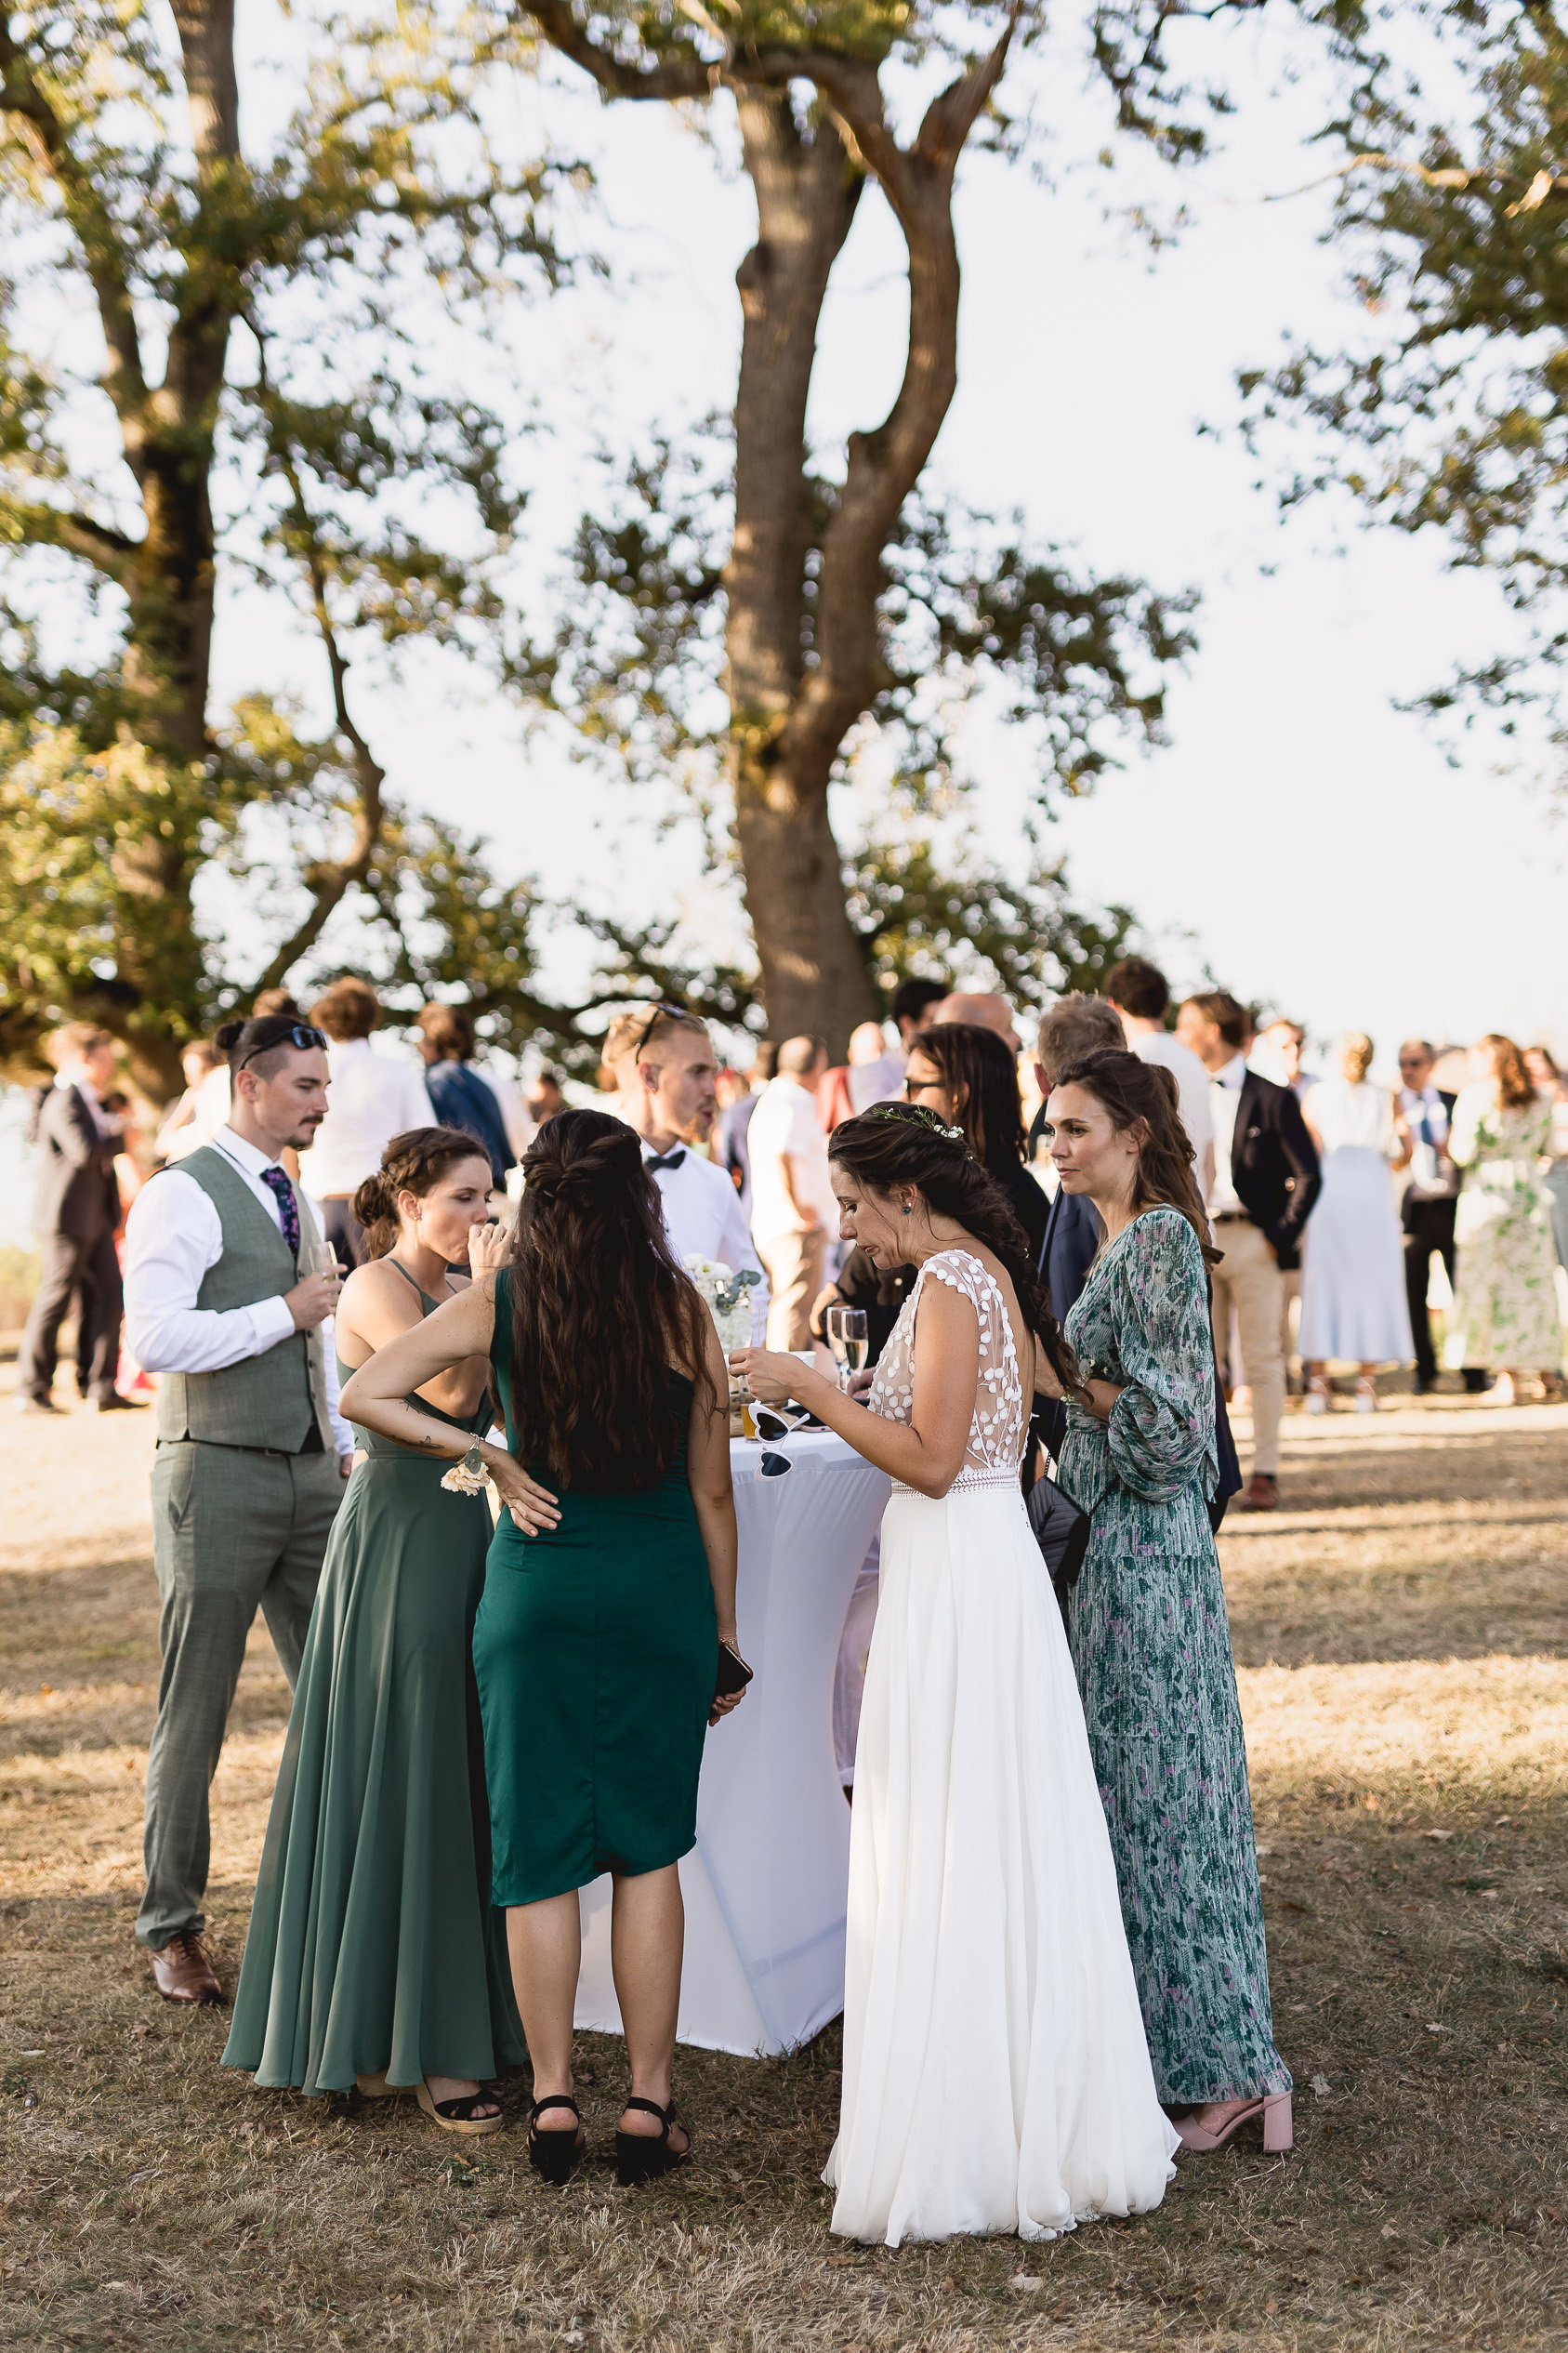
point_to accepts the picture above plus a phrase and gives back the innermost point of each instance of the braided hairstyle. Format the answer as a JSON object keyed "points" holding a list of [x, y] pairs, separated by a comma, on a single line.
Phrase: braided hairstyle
{"points": [[600, 1311], [1131, 1091], [413, 1162], [905, 1143]]}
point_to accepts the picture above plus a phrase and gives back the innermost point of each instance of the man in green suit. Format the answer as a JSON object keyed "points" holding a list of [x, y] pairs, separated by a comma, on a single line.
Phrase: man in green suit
{"points": [[223, 1304]]}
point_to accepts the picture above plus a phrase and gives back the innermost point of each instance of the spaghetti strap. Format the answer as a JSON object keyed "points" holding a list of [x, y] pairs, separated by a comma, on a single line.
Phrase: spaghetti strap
{"points": [[425, 1302]]}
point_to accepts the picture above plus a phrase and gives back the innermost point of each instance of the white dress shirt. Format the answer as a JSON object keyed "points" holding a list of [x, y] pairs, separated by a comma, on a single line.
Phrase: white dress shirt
{"points": [[786, 1126], [1192, 1083], [1224, 1102], [370, 1100], [173, 1236], [704, 1219], [1433, 1174]]}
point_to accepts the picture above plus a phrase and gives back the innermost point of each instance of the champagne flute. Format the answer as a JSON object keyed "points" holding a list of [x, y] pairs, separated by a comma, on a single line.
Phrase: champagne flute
{"points": [[836, 1340], [321, 1258], [857, 1343]]}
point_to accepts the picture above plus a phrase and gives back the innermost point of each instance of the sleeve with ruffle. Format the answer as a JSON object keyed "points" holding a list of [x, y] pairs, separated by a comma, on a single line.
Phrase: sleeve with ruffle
{"points": [[1160, 1430]]}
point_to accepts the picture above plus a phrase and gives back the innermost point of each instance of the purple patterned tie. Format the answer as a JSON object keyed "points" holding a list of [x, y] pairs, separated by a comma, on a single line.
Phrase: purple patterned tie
{"points": [[276, 1180]]}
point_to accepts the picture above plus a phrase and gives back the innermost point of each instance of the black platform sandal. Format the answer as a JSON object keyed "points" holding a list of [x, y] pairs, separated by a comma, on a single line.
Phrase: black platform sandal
{"points": [[643, 2156], [556, 2155]]}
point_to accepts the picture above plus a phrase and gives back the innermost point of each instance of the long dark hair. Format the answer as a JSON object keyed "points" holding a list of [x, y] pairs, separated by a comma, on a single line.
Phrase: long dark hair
{"points": [[1130, 1091], [413, 1162], [600, 1308], [901, 1144], [981, 1078]]}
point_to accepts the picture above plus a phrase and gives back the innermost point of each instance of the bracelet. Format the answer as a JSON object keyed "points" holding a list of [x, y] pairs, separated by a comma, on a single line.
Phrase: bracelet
{"points": [[469, 1476]]}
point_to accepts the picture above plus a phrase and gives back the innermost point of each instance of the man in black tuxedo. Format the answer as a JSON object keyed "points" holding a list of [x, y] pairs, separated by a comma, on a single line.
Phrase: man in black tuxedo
{"points": [[1266, 1177], [75, 1210], [1430, 1199]]}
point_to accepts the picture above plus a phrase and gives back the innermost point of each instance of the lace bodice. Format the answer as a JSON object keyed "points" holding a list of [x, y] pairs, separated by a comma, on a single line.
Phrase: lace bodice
{"points": [[994, 1452]]}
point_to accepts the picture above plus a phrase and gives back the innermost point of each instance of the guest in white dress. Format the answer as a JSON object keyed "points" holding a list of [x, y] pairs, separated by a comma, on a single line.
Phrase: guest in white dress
{"points": [[1353, 1304], [996, 2078]]}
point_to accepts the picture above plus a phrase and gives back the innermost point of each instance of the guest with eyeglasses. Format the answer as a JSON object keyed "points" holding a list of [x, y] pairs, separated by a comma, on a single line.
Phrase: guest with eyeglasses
{"points": [[375, 1097], [660, 1061], [227, 1290]]}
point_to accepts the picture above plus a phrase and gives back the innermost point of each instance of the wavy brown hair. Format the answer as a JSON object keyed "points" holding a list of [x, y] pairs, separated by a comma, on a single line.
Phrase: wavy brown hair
{"points": [[600, 1311], [1516, 1089], [413, 1162], [981, 1078], [902, 1143], [1134, 1092]]}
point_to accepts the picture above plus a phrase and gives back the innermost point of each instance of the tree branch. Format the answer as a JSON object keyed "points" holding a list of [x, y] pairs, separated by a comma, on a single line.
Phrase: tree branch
{"points": [[672, 78], [885, 465]]}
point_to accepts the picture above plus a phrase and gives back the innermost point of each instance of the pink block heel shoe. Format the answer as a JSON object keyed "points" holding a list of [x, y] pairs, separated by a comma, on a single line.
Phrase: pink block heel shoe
{"points": [[1278, 2126]]}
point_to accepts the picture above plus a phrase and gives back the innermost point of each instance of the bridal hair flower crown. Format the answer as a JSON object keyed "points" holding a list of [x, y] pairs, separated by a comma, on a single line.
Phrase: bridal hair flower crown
{"points": [[916, 1115]]}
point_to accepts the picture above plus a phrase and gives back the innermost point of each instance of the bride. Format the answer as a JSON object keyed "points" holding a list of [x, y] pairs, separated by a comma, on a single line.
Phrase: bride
{"points": [[996, 2073]]}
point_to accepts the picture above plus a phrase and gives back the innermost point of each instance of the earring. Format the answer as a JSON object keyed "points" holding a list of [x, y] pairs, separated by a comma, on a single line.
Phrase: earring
{"points": [[906, 1207]]}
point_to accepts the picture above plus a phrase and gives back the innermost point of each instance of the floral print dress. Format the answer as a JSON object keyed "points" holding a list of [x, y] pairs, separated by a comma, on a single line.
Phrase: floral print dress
{"points": [[1152, 1647], [1505, 1281]]}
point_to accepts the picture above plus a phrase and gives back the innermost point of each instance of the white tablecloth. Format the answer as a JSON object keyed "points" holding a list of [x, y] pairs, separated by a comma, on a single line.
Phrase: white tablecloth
{"points": [[765, 1886]]}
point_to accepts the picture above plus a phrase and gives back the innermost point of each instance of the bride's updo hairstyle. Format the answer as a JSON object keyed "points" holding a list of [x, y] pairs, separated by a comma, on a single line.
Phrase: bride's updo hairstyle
{"points": [[413, 1162], [1135, 1093], [903, 1144], [600, 1311]]}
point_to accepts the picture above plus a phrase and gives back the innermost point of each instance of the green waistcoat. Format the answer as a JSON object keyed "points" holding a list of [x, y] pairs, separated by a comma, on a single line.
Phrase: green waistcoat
{"points": [[269, 1400]]}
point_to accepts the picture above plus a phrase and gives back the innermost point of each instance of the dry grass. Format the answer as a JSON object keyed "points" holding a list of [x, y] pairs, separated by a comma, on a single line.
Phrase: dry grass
{"points": [[1402, 1637]]}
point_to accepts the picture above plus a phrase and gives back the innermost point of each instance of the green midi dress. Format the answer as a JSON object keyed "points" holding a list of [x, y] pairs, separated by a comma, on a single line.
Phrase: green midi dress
{"points": [[372, 1944], [595, 1650], [1150, 1643]]}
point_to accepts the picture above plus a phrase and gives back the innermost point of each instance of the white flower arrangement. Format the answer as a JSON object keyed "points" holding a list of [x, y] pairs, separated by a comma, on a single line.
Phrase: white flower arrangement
{"points": [[728, 1296]]}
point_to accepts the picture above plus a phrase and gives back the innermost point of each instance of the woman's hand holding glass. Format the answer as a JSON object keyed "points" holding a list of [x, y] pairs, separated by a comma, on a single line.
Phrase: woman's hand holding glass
{"points": [[772, 1377]]}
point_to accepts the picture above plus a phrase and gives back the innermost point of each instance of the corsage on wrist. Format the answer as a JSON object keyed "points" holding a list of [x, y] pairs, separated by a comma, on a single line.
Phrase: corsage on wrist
{"points": [[469, 1476]]}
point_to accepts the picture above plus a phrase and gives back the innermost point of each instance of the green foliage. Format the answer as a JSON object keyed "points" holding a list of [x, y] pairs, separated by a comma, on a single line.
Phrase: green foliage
{"points": [[1446, 413]]}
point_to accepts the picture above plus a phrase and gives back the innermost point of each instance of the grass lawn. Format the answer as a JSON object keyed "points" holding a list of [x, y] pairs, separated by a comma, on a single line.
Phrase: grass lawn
{"points": [[1402, 1632]]}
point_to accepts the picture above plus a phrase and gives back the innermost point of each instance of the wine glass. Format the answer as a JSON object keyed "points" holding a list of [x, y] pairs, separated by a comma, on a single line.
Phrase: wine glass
{"points": [[320, 1258], [857, 1343], [832, 1324]]}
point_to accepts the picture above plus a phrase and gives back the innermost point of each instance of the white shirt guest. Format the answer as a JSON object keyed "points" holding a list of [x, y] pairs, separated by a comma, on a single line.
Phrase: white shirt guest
{"points": [[1139, 991], [370, 1099], [666, 1074], [173, 1238], [794, 1211]]}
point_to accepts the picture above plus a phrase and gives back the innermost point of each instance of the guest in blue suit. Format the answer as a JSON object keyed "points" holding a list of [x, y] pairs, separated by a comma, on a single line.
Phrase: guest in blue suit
{"points": [[463, 1099]]}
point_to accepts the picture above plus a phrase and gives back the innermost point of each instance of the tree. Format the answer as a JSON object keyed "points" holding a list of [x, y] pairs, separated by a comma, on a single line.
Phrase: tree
{"points": [[248, 340], [1447, 412], [816, 581]]}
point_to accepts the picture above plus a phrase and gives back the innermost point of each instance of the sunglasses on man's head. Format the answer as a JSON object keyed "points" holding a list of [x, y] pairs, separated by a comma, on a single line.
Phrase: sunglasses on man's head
{"points": [[302, 1036], [670, 1012]]}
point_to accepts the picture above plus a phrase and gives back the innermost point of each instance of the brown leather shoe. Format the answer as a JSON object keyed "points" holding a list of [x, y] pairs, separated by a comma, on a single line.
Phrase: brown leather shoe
{"points": [[1263, 1493], [182, 1973]]}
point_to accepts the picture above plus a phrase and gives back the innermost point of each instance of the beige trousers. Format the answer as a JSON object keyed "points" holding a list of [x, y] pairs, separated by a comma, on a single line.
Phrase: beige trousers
{"points": [[1247, 1280], [795, 1265]]}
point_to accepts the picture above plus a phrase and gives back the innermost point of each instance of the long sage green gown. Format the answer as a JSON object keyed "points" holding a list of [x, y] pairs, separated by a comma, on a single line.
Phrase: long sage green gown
{"points": [[373, 1946], [595, 1648], [1150, 1640]]}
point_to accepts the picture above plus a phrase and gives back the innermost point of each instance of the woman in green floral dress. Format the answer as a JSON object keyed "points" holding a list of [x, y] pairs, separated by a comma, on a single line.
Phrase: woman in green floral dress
{"points": [[1505, 1282], [1148, 1628]]}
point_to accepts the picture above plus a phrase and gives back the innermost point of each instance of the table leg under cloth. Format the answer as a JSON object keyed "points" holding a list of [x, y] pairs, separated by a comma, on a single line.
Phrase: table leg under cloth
{"points": [[765, 1888]]}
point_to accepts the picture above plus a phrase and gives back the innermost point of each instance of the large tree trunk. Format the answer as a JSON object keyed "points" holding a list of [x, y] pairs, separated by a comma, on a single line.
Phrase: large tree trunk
{"points": [[814, 977]]}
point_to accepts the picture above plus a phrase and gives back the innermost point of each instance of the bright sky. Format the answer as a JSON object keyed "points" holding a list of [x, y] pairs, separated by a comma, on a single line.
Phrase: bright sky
{"points": [[1300, 839]]}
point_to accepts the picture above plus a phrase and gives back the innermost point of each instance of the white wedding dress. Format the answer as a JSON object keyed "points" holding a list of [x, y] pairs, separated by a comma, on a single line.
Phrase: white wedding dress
{"points": [[996, 2073]]}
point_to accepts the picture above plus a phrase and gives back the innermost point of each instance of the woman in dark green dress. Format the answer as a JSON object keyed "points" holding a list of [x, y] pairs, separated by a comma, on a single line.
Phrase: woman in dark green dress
{"points": [[608, 1597], [1150, 1635], [374, 1955]]}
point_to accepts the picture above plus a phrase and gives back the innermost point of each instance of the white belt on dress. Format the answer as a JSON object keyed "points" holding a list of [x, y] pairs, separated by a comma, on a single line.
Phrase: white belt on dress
{"points": [[967, 1481]]}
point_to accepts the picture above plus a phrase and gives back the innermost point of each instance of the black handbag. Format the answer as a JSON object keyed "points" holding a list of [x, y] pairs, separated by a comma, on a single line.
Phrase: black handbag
{"points": [[1062, 1532]]}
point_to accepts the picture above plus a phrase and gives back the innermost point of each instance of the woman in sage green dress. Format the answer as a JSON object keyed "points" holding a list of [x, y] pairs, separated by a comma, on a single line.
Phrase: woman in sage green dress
{"points": [[597, 1645], [1150, 1636], [374, 1955]]}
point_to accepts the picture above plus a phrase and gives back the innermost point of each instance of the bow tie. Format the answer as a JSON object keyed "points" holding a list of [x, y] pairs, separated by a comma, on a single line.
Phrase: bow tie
{"points": [[670, 1160]]}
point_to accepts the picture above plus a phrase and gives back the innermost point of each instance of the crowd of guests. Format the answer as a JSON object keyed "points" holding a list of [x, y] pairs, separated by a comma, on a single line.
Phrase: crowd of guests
{"points": [[1067, 1257]]}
